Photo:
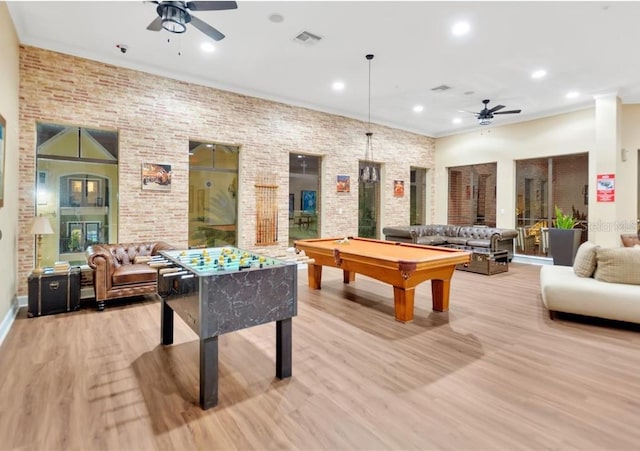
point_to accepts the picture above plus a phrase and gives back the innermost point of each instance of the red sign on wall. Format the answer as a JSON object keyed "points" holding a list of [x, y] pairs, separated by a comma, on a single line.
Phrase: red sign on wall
{"points": [[606, 188]]}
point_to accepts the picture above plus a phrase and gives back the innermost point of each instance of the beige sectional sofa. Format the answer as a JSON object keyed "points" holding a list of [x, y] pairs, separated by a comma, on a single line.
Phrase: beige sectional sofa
{"points": [[604, 283]]}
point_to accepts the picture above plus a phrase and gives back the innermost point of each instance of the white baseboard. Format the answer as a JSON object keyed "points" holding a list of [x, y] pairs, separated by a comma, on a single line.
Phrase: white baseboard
{"points": [[8, 319], [532, 259]]}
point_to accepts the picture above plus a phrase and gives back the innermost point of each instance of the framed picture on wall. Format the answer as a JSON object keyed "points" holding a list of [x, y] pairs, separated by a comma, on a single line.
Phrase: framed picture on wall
{"points": [[156, 176], [343, 184], [398, 188], [308, 201]]}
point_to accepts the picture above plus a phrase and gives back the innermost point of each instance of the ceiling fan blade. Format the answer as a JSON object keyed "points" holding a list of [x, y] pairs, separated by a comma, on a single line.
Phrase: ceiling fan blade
{"points": [[211, 6], [206, 29], [496, 108], [508, 112], [156, 25]]}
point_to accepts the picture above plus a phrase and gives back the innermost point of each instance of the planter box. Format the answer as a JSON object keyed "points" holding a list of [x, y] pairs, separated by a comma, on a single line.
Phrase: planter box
{"points": [[563, 245]]}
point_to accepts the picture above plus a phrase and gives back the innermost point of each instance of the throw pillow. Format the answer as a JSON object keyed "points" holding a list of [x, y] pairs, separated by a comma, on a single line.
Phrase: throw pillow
{"points": [[618, 265], [630, 239], [585, 262]]}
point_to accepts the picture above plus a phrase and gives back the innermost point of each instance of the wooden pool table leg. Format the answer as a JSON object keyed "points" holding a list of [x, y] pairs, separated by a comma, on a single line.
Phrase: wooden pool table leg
{"points": [[314, 273], [440, 294], [348, 276], [403, 300]]}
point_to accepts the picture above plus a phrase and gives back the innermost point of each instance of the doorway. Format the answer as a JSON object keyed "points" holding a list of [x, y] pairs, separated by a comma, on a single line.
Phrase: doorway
{"points": [[304, 197], [418, 196], [368, 204], [213, 189]]}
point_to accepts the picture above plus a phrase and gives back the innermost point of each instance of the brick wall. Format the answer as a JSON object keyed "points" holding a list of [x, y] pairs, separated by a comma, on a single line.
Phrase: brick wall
{"points": [[156, 117]]}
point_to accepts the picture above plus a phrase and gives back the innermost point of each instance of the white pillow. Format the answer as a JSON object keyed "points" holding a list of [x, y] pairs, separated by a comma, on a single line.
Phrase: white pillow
{"points": [[585, 262], [618, 265]]}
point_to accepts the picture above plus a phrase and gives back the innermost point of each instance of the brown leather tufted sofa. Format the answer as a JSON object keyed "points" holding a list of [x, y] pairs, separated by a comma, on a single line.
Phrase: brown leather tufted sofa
{"points": [[117, 274], [448, 234]]}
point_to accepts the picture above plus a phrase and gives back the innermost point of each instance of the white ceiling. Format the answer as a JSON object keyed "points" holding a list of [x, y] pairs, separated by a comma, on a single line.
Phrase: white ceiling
{"points": [[590, 47]]}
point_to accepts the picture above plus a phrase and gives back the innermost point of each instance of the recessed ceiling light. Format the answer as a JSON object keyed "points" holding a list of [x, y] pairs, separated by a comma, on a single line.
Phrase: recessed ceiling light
{"points": [[460, 28], [456, 120], [572, 94], [207, 47], [418, 109], [541, 73], [276, 18], [338, 85]]}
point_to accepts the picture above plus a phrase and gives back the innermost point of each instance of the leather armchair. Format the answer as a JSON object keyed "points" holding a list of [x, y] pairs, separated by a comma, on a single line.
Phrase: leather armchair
{"points": [[121, 270]]}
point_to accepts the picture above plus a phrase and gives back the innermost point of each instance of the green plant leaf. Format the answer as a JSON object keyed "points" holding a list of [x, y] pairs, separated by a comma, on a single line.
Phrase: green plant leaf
{"points": [[563, 221]]}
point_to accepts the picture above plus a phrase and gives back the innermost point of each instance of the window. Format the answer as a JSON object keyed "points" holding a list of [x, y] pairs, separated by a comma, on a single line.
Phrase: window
{"points": [[542, 184], [83, 192], [418, 196], [76, 186], [213, 199], [304, 196], [472, 195]]}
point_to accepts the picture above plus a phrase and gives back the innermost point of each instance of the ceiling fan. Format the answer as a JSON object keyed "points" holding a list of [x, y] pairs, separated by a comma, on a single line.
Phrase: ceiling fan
{"points": [[486, 114], [174, 16]]}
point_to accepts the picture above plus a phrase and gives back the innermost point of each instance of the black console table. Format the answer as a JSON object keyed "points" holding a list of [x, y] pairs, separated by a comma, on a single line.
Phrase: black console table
{"points": [[215, 298]]}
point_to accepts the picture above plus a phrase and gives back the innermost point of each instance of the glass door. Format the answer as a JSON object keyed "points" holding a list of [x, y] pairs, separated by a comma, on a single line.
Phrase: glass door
{"points": [[368, 205], [304, 196], [213, 199]]}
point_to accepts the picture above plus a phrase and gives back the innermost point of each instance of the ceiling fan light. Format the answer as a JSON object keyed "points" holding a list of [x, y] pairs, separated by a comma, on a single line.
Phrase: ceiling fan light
{"points": [[174, 19], [484, 121]]}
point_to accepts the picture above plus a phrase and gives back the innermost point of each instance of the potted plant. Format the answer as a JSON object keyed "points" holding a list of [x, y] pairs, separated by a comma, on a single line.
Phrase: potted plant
{"points": [[564, 238]]}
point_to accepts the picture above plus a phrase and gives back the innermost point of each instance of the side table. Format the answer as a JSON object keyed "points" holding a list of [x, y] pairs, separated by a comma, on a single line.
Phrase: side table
{"points": [[54, 293]]}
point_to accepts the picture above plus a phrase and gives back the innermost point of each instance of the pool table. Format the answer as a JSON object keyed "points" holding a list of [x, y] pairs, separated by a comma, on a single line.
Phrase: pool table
{"points": [[402, 265]]}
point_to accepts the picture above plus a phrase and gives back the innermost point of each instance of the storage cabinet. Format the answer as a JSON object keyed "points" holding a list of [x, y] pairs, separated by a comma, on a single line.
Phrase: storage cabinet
{"points": [[487, 262], [54, 293]]}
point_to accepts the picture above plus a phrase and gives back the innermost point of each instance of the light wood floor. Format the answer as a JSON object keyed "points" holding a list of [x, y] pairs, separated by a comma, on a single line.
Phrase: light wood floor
{"points": [[494, 373]]}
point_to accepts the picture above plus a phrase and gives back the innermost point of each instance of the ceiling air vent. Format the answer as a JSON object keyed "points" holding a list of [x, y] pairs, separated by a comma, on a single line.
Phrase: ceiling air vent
{"points": [[441, 88], [307, 38]]}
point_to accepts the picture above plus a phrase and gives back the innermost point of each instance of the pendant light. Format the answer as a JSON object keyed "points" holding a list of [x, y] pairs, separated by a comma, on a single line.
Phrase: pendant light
{"points": [[369, 172]]}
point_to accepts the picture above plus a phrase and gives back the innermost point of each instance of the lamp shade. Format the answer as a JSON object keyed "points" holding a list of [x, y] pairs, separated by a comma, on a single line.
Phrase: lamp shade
{"points": [[41, 226]]}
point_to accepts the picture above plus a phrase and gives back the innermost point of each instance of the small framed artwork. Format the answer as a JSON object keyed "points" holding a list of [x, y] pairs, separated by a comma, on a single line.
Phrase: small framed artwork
{"points": [[398, 188], [3, 125], [308, 201], [156, 176], [343, 184]]}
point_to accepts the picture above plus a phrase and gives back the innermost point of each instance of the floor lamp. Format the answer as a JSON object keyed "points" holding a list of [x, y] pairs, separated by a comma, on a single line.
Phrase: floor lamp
{"points": [[40, 226]]}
